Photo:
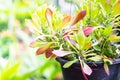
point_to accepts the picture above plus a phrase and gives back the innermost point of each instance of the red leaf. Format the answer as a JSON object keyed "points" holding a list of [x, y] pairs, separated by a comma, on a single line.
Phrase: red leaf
{"points": [[42, 49], [78, 17], [64, 21], [53, 56], [61, 53], [106, 69], [48, 52], [49, 14], [88, 30]]}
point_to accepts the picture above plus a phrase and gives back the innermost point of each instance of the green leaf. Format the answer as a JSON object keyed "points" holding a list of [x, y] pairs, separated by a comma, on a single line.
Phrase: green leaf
{"points": [[65, 20], [107, 6], [10, 72], [80, 38], [87, 43], [69, 63], [103, 10], [108, 61], [106, 67], [95, 58], [97, 48], [26, 75], [34, 44], [107, 31], [116, 9], [114, 38]]}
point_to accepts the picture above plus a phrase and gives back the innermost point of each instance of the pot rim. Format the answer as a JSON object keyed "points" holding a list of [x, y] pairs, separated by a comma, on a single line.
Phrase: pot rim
{"points": [[63, 61]]}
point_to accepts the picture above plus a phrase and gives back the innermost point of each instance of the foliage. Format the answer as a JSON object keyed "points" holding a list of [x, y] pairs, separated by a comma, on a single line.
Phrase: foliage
{"points": [[14, 40], [91, 40], [13, 50], [11, 73]]}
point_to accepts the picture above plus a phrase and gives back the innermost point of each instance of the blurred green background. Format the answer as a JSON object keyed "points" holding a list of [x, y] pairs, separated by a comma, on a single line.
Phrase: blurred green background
{"points": [[17, 60]]}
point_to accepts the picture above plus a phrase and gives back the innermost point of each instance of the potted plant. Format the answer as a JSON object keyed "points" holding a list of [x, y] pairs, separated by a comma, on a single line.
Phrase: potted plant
{"points": [[84, 51]]}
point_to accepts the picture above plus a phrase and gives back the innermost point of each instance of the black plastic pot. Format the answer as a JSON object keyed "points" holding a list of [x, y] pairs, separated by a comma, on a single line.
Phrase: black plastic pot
{"points": [[74, 72]]}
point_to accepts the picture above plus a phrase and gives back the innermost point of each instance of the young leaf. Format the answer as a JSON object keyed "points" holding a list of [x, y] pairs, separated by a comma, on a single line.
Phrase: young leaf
{"points": [[78, 17], [102, 9], [106, 68], [70, 41], [9, 71], [61, 53], [87, 43], [97, 48], [48, 52], [116, 9], [69, 63], [80, 39], [34, 44], [107, 31], [42, 49], [53, 56], [64, 21], [49, 14], [32, 27], [88, 30], [95, 58], [35, 20], [114, 38]]}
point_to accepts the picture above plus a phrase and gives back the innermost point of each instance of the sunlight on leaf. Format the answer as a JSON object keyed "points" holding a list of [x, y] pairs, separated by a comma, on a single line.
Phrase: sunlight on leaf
{"points": [[107, 31], [95, 58], [64, 21], [32, 27], [116, 9], [78, 17], [49, 14], [61, 53], [114, 38], [87, 43], [35, 20], [34, 44]]}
